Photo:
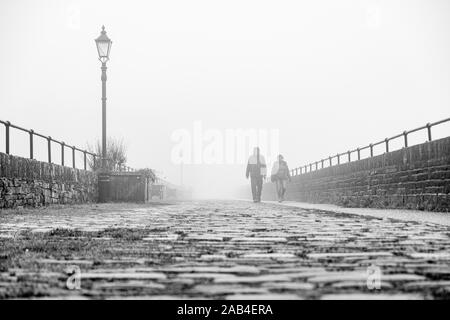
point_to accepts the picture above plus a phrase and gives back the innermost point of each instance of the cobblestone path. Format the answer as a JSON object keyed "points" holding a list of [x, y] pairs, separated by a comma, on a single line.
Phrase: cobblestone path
{"points": [[222, 250]]}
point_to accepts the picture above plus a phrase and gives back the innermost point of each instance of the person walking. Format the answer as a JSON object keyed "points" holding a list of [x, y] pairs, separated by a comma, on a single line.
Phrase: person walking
{"points": [[256, 170], [280, 175]]}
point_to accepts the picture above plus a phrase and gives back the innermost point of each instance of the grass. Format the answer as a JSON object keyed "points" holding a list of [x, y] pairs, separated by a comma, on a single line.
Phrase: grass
{"points": [[28, 249], [87, 208]]}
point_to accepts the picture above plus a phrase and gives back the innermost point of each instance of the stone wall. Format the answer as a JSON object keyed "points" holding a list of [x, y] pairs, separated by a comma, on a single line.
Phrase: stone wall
{"points": [[417, 177], [25, 182]]}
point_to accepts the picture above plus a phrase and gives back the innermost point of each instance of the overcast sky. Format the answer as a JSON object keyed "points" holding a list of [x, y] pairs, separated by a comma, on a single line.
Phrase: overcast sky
{"points": [[329, 75]]}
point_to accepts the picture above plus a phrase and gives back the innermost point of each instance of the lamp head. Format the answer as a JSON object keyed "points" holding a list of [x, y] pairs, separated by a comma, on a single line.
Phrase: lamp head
{"points": [[103, 46]]}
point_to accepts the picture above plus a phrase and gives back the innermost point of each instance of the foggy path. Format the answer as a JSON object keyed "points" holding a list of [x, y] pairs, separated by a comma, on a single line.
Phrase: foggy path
{"points": [[220, 249]]}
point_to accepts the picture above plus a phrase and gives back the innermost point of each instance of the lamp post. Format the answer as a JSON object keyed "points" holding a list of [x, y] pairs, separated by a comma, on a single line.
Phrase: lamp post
{"points": [[103, 48]]}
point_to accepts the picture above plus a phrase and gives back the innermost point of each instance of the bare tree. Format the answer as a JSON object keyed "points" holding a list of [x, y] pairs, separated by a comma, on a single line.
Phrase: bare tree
{"points": [[115, 154]]}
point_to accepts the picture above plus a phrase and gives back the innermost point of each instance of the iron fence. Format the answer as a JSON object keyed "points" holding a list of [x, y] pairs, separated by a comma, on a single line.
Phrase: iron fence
{"points": [[32, 134], [317, 165]]}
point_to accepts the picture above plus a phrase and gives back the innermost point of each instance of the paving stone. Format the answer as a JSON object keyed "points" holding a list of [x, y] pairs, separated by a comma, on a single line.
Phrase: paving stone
{"points": [[359, 284], [347, 254], [214, 289], [269, 296], [431, 256], [68, 262], [172, 237], [289, 286], [56, 297], [152, 297], [371, 296], [128, 285], [124, 261], [307, 271], [122, 275], [205, 237], [178, 281], [253, 279], [218, 269], [401, 277], [338, 277], [268, 256], [205, 275], [41, 230], [212, 257], [427, 284], [256, 239]]}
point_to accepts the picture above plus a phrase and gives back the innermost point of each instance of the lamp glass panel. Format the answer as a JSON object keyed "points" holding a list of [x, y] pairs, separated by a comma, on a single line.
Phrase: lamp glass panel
{"points": [[103, 48]]}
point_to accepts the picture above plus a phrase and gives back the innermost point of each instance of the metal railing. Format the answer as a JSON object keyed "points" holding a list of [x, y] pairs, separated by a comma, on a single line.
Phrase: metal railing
{"points": [[317, 165], [8, 125]]}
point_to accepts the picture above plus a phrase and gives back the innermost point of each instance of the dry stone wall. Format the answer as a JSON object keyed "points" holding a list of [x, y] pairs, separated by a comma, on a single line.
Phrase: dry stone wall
{"points": [[26, 182]]}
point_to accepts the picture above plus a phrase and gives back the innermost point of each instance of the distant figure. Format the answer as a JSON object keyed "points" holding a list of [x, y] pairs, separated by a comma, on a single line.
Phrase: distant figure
{"points": [[257, 170], [280, 175]]}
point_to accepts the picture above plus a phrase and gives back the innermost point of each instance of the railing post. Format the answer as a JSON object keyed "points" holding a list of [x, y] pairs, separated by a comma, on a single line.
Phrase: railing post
{"points": [[317, 167], [7, 136], [429, 132], [405, 135], [73, 157], [322, 163], [359, 153], [306, 168], [338, 158], [49, 149], [301, 170], [349, 156], [387, 144], [85, 160], [310, 167], [371, 150], [31, 144], [62, 153], [331, 161]]}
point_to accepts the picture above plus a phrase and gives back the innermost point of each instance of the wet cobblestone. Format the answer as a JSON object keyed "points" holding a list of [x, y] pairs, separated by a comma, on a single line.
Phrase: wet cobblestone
{"points": [[219, 250]]}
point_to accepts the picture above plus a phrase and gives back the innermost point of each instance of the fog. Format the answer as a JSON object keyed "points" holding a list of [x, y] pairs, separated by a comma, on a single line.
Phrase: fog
{"points": [[309, 78]]}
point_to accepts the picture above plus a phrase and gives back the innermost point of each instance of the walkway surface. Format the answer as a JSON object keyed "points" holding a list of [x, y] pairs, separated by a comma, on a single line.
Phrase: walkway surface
{"points": [[398, 214], [222, 250]]}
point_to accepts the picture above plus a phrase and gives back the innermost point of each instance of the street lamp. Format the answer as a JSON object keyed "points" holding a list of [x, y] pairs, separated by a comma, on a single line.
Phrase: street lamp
{"points": [[103, 48]]}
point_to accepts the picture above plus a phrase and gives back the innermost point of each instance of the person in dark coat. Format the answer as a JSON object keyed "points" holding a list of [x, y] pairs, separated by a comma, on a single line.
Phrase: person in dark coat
{"points": [[256, 170]]}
